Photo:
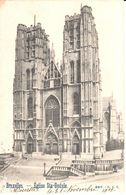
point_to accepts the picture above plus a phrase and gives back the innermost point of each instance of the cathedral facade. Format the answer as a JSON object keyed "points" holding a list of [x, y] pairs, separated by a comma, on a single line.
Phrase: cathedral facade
{"points": [[58, 110]]}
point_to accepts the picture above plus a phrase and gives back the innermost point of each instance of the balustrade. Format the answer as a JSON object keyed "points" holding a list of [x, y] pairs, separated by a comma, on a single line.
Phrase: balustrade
{"points": [[81, 167]]}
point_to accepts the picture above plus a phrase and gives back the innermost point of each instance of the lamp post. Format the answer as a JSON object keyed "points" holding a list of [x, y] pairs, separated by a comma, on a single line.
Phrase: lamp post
{"points": [[44, 169]]}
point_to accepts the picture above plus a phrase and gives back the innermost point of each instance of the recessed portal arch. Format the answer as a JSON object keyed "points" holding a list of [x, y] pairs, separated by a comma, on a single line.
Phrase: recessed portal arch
{"points": [[51, 145], [75, 144], [52, 111]]}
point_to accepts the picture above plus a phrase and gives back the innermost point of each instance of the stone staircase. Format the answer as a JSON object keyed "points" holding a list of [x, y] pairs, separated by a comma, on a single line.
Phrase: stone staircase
{"points": [[6, 160], [64, 168], [77, 172], [65, 162], [59, 172]]}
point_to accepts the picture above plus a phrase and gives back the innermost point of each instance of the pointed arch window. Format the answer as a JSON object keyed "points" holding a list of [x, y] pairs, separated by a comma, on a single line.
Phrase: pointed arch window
{"points": [[33, 71], [76, 103], [76, 124], [30, 126], [52, 111], [28, 78], [30, 107], [72, 71], [78, 71]]}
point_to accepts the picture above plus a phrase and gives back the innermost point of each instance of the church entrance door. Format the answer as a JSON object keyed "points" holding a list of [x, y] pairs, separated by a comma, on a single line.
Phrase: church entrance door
{"points": [[76, 145], [30, 145], [51, 145], [29, 148], [55, 148], [76, 148], [48, 149]]}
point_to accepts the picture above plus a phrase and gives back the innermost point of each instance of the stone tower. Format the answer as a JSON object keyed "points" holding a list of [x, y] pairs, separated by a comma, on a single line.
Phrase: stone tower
{"points": [[58, 111], [31, 61], [82, 82]]}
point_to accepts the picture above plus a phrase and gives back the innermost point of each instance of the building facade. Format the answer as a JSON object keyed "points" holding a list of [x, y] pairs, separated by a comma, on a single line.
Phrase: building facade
{"points": [[58, 111], [112, 119]]}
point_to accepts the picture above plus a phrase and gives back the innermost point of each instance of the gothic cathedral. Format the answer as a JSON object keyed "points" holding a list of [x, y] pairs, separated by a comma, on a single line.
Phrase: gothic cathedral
{"points": [[57, 110]]}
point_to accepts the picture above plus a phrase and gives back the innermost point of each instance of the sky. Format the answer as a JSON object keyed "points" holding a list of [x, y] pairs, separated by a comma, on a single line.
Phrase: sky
{"points": [[109, 20]]}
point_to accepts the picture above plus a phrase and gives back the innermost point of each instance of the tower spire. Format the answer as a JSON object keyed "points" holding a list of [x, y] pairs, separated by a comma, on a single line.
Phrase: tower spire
{"points": [[52, 54], [34, 19]]}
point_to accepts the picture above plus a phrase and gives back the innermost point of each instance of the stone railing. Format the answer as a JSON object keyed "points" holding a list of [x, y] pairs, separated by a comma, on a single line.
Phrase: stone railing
{"points": [[68, 170], [57, 168], [3, 164], [81, 168], [108, 165], [77, 171], [85, 168], [116, 161], [61, 168], [97, 165], [53, 177], [82, 162], [57, 172]]}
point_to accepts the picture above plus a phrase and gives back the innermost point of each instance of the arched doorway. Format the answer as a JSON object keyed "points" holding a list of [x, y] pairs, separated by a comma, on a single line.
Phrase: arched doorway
{"points": [[51, 145], [52, 111], [75, 145], [30, 144]]}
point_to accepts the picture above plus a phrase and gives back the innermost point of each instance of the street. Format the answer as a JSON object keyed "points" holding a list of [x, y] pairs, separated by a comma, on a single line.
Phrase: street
{"points": [[28, 171], [27, 175], [32, 170]]}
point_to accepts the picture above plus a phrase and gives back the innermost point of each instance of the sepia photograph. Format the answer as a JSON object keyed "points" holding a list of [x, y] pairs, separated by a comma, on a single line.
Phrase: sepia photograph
{"points": [[62, 96]]}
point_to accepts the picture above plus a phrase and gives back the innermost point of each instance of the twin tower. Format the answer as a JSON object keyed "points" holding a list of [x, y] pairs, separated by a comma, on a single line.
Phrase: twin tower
{"points": [[57, 110]]}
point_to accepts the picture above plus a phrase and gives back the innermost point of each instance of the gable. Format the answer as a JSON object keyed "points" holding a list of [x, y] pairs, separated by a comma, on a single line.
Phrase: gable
{"points": [[52, 72], [50, 131]]}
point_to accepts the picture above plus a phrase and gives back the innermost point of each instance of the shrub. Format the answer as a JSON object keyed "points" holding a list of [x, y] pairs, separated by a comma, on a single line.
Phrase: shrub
{"points": [[114, 144]]}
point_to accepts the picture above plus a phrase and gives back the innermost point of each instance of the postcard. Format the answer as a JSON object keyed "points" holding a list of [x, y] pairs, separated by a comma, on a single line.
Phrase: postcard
{"points": [[62, 96]]}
